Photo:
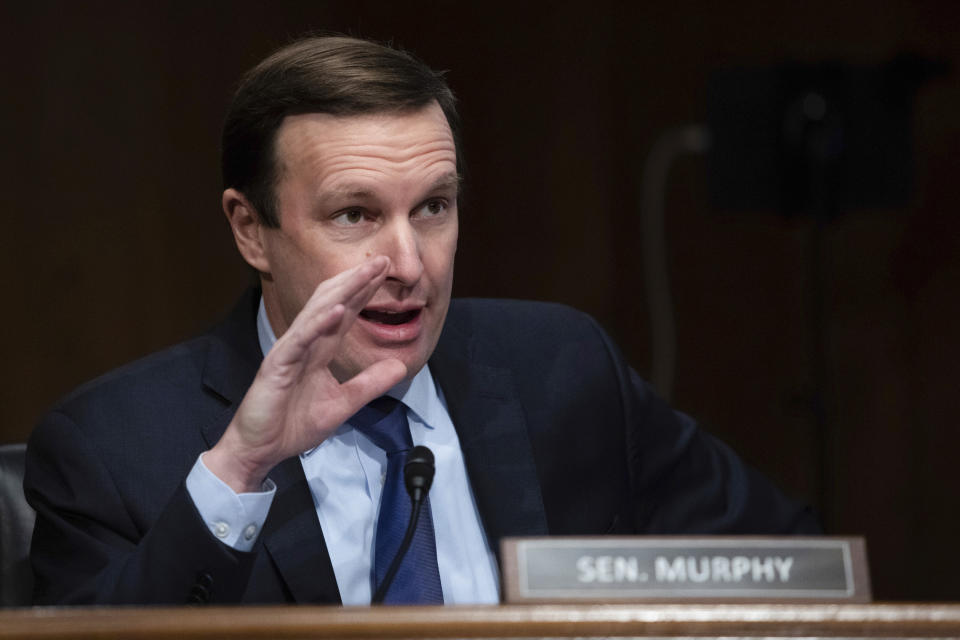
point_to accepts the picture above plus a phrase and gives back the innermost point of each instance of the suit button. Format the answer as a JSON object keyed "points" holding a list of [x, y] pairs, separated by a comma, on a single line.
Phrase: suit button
{"points": [[200, 592]]}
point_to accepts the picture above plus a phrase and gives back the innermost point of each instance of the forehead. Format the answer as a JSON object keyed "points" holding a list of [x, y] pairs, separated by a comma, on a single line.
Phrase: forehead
{"points": [[331, 148]]}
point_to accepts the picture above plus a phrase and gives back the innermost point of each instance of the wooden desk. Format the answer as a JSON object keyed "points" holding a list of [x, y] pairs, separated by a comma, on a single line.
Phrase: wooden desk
{"points": [[289, 622]]}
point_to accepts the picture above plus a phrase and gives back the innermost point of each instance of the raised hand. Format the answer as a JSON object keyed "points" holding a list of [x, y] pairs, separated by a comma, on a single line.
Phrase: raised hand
{"points": [[295, 402]]}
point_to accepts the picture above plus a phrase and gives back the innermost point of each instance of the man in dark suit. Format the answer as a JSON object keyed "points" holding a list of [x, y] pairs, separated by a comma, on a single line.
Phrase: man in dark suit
{"points": [[231, 468]]}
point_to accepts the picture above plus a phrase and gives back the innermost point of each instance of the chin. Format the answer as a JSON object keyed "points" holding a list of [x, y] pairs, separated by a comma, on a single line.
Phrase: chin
{"points": [[413, 363], [345, 368]]}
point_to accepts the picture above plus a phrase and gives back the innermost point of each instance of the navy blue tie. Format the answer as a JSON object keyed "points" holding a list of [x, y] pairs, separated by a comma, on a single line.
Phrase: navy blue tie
{"points": [[384, 422]]}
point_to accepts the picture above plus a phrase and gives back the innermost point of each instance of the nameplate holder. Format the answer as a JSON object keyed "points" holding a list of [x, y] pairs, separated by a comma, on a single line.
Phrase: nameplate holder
{"points": [[728, 569]]}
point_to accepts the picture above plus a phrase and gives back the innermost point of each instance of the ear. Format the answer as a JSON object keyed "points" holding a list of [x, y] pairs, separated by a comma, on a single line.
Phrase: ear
{"points": [[247, 229]]}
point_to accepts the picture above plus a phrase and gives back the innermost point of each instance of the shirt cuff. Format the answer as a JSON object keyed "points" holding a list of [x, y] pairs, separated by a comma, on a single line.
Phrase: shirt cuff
{"points": [[233, 518]]}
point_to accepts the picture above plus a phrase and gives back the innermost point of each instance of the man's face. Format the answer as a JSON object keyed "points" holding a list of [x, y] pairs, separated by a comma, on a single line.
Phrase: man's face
{"points": [[352, 187]]}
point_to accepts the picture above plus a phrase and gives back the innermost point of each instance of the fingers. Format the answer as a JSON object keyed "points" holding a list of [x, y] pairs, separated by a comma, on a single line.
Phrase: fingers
{"points": [[350, 289], [292, 346]]}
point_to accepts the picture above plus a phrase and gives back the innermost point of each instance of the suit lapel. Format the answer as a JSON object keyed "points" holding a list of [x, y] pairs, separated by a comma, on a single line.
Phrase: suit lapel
{"points": [[293, 537], [232, 360], [234, 355], [292, 533], [485, 407]]}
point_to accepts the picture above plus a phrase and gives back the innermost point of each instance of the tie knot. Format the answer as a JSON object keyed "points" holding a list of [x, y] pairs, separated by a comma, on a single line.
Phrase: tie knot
{"points": [[384, 421]]}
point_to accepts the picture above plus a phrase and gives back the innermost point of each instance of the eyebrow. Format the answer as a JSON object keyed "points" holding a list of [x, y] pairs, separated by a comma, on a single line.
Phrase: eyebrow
{"points": [[348, 192], [447, 181], [356, 192]]}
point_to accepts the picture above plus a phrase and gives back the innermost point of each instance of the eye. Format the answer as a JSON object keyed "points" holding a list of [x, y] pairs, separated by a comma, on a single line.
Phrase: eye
{"points": [[349, 217], [432, 208]]}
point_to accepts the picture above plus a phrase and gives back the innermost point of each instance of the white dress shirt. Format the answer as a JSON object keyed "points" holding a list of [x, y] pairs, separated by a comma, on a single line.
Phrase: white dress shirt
{"points": [[345, 474]]}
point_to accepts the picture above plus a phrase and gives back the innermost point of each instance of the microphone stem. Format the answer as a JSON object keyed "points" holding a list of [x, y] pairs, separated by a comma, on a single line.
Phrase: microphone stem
{"points": [[401, 552]]}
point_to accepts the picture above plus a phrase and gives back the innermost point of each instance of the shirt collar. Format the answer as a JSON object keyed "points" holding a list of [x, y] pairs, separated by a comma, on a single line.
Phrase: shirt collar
{"points": [[264, 330]]}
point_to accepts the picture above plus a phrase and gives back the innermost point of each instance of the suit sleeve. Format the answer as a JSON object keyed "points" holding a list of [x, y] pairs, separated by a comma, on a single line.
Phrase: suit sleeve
{"points": [[683, 480], [91, 544]]}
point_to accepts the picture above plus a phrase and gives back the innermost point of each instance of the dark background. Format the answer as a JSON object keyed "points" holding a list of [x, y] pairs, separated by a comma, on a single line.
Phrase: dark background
{"points": [[114, 244]]}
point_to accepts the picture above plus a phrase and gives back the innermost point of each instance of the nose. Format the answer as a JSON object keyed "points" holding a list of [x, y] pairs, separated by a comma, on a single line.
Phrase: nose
{"points": [[401, 244]]}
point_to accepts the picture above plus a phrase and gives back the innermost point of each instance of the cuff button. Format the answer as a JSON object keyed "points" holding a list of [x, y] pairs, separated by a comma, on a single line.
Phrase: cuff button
{"points": [[221, 529]]}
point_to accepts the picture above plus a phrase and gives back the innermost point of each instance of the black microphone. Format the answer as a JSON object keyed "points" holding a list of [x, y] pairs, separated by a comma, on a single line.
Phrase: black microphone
{"points": [[418, 472], [417, 476]]}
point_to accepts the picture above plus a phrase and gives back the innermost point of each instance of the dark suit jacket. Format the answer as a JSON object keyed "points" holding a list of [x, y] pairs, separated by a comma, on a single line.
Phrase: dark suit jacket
{"points": [[559, 437]]}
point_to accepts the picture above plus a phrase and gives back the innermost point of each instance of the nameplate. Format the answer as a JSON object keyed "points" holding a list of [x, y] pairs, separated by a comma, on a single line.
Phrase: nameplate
{"points": [[700, 569]]}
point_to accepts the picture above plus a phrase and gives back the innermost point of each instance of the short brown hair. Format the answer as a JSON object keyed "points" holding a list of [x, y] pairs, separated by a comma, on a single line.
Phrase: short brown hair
{"points": [[338, 75]]}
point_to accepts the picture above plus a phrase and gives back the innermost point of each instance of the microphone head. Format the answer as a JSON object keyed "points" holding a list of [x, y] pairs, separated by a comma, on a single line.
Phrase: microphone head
{"points": [[418, 472]]}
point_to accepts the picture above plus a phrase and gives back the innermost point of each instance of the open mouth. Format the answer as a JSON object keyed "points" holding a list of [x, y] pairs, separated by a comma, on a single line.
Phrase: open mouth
{"points": [[389, 317]]}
